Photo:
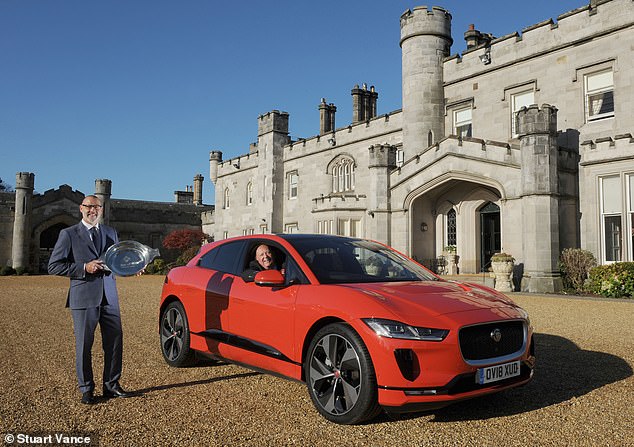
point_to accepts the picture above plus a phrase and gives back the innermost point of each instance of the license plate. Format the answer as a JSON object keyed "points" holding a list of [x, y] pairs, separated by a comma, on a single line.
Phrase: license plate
{"points": [[497, 372]]}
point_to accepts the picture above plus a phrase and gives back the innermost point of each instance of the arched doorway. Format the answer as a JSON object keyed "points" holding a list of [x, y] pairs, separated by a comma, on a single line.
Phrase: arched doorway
{"points": [[490, 233], [48, 238]]}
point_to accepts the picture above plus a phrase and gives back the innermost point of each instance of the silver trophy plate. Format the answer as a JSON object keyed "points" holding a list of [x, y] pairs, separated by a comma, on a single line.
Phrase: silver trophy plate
{"points": [[127, 258]]}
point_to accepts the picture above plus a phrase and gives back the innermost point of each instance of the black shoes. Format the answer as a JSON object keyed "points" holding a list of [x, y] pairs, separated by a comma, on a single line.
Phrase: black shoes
{"points": [[88, 398], [115, 391]]}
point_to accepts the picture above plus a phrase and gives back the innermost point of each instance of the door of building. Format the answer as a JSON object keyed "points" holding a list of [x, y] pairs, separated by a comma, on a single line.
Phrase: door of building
{"points": [[490, 236]]}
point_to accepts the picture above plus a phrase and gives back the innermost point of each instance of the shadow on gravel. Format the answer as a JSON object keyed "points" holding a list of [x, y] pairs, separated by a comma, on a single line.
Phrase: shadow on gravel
{"points": [[194, 383], [563, 372]]}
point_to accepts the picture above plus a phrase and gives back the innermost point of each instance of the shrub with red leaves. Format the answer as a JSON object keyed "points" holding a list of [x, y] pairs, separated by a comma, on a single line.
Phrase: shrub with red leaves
{"points": [[181, 240]]}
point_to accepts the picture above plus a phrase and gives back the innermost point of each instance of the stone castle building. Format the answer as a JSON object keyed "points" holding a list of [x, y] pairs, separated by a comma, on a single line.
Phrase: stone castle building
{"points": [[522, 144], [30, 223]]}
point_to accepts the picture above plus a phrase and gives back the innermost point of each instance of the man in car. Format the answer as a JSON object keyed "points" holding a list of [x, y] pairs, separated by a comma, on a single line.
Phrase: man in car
{"points": [[264, 260]]}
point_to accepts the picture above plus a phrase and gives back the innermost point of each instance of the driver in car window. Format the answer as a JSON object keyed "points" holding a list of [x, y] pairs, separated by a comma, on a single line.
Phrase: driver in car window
{"points": [[264, 260]]}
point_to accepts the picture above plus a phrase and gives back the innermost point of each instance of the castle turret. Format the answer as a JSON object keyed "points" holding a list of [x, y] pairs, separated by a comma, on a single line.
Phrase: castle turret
{"points": [[540, 198], [24, 184], [198, 189], [272, 137], [425, 41], [382, 159], [103, 190], [326, 117], [215, 158]]}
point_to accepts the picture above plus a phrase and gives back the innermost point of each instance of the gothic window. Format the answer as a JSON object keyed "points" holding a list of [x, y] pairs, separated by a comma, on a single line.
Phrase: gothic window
{"points": [[342, 171], [462, 122], [249, 194], [519, 100], [225, 202], [451, 227], [599, 95]]}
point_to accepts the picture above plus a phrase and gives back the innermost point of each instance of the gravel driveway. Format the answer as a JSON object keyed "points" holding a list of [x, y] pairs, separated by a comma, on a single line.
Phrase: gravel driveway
{"points": [[582, 394]]}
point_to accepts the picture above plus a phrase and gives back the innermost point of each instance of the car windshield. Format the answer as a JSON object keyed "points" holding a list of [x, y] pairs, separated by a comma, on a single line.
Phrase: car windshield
{"points": [[345, 260]]}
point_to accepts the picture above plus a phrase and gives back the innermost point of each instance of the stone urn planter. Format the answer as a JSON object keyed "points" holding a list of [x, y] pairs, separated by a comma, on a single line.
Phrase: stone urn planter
{"points": [[502, 266], [452, 260]]}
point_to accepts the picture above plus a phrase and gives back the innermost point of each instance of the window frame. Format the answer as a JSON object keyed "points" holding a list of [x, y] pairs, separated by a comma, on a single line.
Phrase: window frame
{"points": [[611, 215], [588, 93], [342, 170], [250, 194], [515, 109], [459, 124], [293, 185], [226, 200]]}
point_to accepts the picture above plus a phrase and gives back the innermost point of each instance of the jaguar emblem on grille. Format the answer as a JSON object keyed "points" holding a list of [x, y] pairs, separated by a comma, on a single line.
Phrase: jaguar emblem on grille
{"points": [[496, 335]]}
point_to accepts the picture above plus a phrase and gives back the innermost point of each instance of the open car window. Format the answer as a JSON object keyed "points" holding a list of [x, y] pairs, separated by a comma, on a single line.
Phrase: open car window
{"points": [[334, 261]]}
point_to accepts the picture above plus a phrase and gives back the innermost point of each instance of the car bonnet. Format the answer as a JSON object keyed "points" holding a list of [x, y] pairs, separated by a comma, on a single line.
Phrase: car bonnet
{"points": [[433, 297]]}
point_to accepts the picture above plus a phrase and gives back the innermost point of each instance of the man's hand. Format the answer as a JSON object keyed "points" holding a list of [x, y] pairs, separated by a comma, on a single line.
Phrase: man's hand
{"points": [[94, 266]]}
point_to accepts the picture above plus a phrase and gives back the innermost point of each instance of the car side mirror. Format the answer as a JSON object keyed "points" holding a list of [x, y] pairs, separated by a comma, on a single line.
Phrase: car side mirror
{"points": [[269, 278]]}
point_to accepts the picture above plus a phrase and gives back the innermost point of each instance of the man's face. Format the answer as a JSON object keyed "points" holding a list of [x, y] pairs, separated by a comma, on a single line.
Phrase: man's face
{"points": [[264, 257], [91, 210]]}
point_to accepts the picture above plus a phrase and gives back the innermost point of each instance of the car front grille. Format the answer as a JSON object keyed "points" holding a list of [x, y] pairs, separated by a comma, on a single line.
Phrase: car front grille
{"points": [[479, 343]]}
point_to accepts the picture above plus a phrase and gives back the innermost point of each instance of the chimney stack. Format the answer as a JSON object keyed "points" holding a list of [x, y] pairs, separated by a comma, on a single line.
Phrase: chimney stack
{"points": [[326, 117], [363, 103]]}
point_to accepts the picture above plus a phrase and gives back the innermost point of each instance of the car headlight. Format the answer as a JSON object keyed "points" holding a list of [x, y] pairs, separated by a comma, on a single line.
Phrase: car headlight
{"points": [[395, 329]]}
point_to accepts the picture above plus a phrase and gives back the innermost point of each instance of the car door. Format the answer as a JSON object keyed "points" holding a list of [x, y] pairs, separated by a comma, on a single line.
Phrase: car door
{"points": [[220, 267], [262, 318]]}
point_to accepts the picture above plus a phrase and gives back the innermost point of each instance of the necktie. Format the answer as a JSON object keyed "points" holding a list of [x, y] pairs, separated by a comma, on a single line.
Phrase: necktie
{"points": [[94, 235]]}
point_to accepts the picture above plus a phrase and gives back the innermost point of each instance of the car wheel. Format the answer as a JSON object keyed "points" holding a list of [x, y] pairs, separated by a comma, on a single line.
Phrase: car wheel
{"points": [[175, 336], [340, 375]]}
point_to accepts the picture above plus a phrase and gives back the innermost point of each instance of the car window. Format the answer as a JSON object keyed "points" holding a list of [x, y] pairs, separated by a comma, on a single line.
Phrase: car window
{"points": [[292, 272], [279, 256], [224, 258], [344, 260]]}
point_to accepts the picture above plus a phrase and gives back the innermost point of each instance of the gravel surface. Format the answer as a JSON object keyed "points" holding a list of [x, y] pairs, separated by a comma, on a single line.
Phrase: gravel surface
{"points": [[582, 393]]}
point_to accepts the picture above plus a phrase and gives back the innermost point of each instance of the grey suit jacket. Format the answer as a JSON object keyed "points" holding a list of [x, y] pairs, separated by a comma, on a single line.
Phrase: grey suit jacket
{"points": [[74, 249]]}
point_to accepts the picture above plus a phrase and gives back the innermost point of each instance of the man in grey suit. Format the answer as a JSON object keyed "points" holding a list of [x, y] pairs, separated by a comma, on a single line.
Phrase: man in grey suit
{"points": [[92, 297]]}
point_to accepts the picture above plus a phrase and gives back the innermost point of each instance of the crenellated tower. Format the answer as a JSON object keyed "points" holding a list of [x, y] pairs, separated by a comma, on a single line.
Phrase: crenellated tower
{"points": [[24, 185], [103, 190], [425, 42], [272, 137], [215, 158], [540, 198], [382, 159]]}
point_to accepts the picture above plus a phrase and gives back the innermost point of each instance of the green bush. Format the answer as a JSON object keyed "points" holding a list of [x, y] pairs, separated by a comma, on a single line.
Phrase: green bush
{"points": [[612, 280], [7, 270], [22, 271], [575, 265], [189, 253], [156, 267]]}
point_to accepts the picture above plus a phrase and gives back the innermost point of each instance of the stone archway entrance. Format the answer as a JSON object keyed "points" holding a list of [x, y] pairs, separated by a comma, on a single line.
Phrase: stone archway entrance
{"points": [[490, 234], [48, 238], [461, 213]]}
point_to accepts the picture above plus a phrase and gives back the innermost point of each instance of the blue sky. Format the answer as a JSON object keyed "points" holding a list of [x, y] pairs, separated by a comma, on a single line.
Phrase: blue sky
{"points": [[139, 91]]}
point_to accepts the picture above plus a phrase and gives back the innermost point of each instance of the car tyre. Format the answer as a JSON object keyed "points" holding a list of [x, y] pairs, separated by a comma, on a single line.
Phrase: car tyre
{"points": [[175, 338], [340, 375]]}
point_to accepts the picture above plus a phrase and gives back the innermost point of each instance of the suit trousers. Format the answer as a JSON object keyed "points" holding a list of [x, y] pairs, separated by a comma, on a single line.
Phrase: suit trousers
{"points": [[84, 324]]}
